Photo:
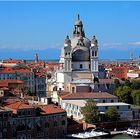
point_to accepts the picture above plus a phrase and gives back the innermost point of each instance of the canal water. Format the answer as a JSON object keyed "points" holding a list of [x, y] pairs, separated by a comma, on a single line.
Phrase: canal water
{"points": [[122, 136]]}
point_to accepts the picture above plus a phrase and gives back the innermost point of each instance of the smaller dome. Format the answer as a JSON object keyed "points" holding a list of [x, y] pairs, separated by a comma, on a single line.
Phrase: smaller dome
{"points": [[67, 41], [94, 41]]}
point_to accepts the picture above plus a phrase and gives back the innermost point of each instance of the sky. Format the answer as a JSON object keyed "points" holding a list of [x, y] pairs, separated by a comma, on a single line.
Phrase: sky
{"points": [[31, 27]]}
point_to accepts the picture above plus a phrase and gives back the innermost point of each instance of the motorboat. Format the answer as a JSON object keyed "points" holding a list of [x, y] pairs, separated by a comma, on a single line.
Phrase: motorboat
{"points": [[133, 132]]}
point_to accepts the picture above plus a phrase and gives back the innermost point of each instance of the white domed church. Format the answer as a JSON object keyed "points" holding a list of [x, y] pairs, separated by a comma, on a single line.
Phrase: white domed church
{"points": [[79, 57], [79, 77]]}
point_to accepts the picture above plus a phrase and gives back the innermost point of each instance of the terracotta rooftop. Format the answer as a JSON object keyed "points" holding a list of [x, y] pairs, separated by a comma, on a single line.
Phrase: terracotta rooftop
{"points": [[4, 88], [11, 81], [19, 105], [12, 61], [106, 80], [11, 100], [51, 109], [10, 70], [4, 84], [87, 95]]}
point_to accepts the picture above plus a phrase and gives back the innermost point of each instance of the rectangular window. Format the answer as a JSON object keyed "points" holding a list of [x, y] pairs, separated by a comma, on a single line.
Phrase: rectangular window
{"points": [[117, 107], [19, 113], [107, 86], [103, 101], [112, 101], [92, 53], [81, 66], [89, 66]]}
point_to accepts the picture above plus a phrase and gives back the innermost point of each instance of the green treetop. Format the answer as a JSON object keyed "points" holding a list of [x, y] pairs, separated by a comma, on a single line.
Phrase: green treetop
{"points": [[90, 111], [112, 114]]}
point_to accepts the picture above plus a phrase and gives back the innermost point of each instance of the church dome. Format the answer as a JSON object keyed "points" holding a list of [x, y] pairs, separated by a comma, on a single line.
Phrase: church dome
{"points": [[75, 39], [81, 53]]}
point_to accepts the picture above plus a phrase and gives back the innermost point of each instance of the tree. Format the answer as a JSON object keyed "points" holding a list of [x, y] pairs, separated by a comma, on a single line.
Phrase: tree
{"points": [[117, 83], [124, 94], [136, 97], [135, 85], [127, 83], [112, 114], [90, 111]]}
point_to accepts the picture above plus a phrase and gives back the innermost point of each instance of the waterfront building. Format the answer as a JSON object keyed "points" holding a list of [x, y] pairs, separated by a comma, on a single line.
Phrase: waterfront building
{"points": [[20, 120], [73, 103]]}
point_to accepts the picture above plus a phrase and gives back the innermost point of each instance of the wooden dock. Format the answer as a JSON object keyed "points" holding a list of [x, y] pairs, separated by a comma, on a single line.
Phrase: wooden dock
{"points": [[116, 132]]}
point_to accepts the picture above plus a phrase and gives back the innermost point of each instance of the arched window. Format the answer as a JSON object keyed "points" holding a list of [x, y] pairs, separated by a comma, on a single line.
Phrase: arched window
{"points": [[95, 53], [73, 89], [92, 53]]}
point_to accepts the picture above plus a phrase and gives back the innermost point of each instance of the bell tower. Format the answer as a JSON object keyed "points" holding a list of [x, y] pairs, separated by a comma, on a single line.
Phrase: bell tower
{"points": [[36, 58], [94, 56], [67, 54]]}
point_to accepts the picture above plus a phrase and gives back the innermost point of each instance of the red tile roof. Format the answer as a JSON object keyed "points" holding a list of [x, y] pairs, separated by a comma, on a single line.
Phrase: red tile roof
{"points": [[11, 100], [11, 70], [4, 88], [51, 109], [11, 82], [3, 84], [88, 95], [12, 61], [19, 105]]}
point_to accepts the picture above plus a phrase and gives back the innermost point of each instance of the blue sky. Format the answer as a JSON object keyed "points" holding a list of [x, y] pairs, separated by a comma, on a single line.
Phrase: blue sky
{"points": [[30, 27]]}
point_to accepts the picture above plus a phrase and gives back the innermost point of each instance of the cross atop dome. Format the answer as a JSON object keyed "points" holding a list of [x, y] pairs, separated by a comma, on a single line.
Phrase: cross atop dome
{"points": [[78, 17]]}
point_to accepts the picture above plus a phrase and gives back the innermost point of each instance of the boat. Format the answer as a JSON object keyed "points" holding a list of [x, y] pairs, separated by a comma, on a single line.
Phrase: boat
{"points": [[133, 132], [94, 133]]}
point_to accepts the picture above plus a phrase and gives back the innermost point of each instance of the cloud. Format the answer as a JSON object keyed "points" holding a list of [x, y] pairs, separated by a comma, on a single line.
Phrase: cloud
{"points": [[28, 47], [136, 43], [121, 46], [112, 45]]}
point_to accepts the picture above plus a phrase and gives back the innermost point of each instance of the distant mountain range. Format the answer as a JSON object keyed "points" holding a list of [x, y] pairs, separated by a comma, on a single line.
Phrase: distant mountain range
{"points": [[54, 54]]}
